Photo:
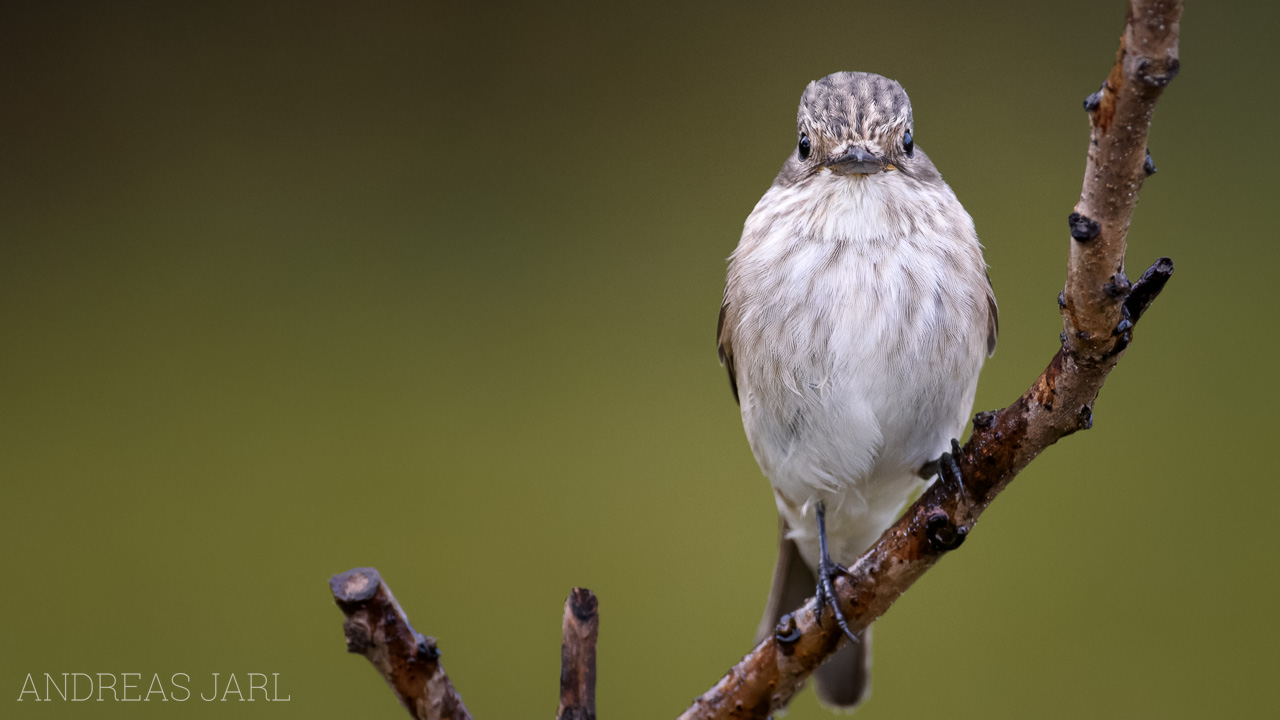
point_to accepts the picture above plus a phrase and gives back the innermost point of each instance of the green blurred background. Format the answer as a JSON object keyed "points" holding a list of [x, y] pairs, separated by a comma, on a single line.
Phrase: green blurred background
{"points": [[291, 288]]}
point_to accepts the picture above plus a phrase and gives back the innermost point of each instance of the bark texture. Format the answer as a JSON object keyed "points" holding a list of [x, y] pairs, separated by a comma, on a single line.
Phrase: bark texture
{"points": [[377, 628]]}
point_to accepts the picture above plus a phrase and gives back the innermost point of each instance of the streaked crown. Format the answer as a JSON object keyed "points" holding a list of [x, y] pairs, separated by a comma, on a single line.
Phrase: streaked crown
{"points": [[854, 107]]}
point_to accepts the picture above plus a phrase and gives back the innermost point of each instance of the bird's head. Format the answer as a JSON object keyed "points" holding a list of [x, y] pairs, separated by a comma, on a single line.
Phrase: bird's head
{"points": [[853, 124]]}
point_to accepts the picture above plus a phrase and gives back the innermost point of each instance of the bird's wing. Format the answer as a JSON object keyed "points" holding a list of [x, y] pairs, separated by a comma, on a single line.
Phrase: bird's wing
{"points": [[724, 341], [993, 318]]}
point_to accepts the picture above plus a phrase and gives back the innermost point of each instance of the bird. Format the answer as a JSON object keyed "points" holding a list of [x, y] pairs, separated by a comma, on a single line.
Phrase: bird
{"points": [[857, 314]]}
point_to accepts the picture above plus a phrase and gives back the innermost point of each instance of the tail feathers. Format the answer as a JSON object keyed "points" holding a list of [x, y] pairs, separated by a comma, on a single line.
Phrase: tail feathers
{"points": [[793, 583], [843, 681]]}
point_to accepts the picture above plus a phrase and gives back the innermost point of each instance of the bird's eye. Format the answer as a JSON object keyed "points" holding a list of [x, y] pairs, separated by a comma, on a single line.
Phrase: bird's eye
{"points": [[908, 144], [804, 147]]}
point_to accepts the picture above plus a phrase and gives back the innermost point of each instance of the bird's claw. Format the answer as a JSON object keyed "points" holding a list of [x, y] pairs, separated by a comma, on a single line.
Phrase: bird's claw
{"points": [[943, 532], [827, 597], [949, 470]]}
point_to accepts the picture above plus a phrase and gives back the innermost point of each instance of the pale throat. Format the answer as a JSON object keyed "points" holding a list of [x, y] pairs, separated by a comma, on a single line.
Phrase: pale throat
{"points": [[863, 209]]}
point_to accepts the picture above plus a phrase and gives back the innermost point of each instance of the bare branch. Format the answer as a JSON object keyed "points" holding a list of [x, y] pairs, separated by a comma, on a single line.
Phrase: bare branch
{"points": [[1099, 307], [578, 656], [1146, 63], [377, 628]]}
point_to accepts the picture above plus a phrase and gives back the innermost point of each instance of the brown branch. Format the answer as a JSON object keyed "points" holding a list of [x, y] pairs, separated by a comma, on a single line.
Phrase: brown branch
{"points": [[578, 656], [377, 628], [1099, 308]]}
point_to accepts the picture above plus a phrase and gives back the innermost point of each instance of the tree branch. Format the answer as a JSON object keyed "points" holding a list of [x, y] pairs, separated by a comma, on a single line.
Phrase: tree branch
{"points": [[377, 628], [578, 656], [1099, 307]]}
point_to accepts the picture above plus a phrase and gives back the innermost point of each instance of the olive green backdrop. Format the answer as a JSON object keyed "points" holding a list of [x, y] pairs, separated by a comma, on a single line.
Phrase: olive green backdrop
{"points": [[291, 288]]}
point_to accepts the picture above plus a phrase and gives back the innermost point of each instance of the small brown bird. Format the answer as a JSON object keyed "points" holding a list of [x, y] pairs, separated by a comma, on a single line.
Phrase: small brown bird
{"points": [[856, 318]]}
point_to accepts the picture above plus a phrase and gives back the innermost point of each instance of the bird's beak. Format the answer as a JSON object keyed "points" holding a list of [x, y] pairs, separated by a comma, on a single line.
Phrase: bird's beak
{"points": [[857, 161]]}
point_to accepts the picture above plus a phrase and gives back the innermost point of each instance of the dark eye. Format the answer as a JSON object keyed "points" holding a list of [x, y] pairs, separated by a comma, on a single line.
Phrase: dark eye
{"points": [[908, 144], [804, 147]]}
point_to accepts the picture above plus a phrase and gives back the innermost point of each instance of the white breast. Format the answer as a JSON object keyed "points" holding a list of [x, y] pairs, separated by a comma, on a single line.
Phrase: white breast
{"points": [[861, 328]]}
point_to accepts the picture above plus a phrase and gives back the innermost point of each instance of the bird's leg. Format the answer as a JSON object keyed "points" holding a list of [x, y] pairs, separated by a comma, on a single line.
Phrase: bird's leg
{"points": [[826, 592]]}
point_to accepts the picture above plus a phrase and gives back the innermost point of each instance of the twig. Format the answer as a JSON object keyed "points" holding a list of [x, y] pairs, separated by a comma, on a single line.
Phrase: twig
{"points": [[578, 656], [377, 628], [1099, 309]]}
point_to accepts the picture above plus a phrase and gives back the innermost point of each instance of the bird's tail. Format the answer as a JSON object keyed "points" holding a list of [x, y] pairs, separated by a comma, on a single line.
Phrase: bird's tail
{"points": [[844, 680]]}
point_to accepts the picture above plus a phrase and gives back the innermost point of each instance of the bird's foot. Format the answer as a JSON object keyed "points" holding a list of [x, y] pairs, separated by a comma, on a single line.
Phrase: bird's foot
{"points": [[943, 533], [949, 471], [827, 571]]}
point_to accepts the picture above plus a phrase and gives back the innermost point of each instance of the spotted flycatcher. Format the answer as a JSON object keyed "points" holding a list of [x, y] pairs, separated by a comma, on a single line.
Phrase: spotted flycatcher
{"points": [[856, 318]]}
